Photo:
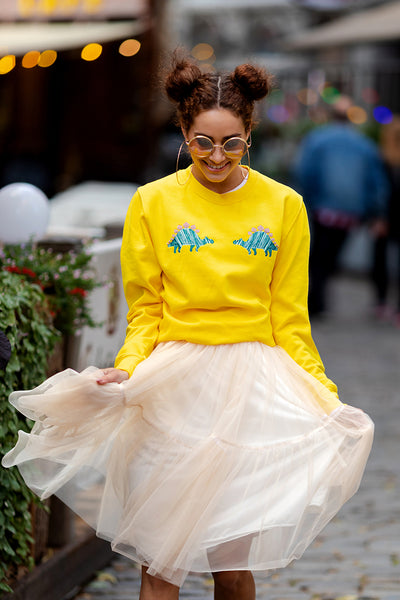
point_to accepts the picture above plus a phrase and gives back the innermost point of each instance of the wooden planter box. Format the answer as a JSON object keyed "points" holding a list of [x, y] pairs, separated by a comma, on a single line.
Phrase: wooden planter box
{"points": [[64, 572]]}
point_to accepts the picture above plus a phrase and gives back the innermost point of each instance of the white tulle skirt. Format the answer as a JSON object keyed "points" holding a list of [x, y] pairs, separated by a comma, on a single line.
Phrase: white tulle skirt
{"points": [[209, 458]]}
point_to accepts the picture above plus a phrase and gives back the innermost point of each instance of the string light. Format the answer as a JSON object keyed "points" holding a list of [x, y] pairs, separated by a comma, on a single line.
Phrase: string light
{"points": [[91, 51], [202, 51], [92, 5], [30, 59], [26, 7], [7, 63], [47, 58], [35, 7], [129, 47], [48, 6]]}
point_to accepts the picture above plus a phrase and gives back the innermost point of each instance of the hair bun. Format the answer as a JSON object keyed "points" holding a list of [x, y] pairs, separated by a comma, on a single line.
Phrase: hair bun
{"points": [[254, 82], [182, 79]]}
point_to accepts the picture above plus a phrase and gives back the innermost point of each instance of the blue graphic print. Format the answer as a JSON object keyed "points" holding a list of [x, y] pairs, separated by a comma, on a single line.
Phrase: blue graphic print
{"points": [[260, 238], [187, 235]]}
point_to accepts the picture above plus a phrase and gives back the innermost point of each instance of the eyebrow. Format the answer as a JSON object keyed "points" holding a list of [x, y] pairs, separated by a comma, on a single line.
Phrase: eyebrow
{"points": [[224, 139]]}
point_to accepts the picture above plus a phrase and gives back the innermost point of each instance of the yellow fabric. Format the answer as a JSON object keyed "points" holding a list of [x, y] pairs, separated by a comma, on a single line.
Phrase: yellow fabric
{"points": [[216, 291]]}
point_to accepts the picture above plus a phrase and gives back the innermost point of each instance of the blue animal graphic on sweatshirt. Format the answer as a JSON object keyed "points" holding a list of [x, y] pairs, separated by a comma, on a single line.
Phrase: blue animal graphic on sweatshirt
{"points": [[260, 238], [187, 235]]}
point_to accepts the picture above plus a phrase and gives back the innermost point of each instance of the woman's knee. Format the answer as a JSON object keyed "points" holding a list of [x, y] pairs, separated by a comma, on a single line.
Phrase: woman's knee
{"points": [[231, 580], [156, 585]]}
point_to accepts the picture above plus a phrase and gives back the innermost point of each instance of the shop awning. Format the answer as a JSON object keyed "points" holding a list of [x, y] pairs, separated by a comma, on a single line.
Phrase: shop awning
{"points": [[378, 24], [18, 38]]}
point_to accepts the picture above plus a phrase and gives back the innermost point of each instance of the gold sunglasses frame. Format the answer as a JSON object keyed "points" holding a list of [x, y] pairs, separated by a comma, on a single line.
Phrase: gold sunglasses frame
{"points": [[222, 146]]}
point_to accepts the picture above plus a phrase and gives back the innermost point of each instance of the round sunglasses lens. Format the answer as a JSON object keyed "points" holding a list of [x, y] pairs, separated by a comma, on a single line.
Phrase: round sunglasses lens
{"points": [[201, 146], [235, 147]]}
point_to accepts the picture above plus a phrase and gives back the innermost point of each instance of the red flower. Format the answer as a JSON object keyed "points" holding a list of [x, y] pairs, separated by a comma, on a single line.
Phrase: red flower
{"points": [[23, 271], [29, 272], [78, 292]]}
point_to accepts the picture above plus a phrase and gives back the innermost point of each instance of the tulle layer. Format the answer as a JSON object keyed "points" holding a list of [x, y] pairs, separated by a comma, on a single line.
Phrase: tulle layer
{"points": [[209, 458]]}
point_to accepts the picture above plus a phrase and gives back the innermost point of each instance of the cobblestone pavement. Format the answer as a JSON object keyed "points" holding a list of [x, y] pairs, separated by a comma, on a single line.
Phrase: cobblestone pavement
{"points": [[357, 556]]}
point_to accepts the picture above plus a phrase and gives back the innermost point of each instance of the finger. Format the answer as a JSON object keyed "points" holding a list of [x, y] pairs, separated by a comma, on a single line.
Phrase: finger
{"points": [[106, 377], [112, 375]]}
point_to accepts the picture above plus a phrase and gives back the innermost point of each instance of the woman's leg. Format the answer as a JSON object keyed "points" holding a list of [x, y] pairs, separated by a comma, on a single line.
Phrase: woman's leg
{"points": [[379, 271], [398, 279], [153, 588], [234, 585]]}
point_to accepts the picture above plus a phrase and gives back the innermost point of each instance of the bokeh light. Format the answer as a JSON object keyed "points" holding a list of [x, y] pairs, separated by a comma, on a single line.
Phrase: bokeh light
{"points": [[207, 67], [330, 94], [26, 7], [276, 97], [357, 115], [292, 105], [316, 79], [202, 52], [30, 59], [383, 114], [370, 95], [92, 5], [318, 114], [7, 63], [129, 47], [278, 113], [91, 51], [307, 96], [47, 58], [48, 6]]}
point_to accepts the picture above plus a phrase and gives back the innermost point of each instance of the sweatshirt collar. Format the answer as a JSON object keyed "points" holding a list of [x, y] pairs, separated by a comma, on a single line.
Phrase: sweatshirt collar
{"points": [[231, 197]]}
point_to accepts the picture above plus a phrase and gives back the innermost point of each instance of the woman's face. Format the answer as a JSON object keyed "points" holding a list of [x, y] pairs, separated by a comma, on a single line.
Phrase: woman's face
{"points": [[217, 172]]}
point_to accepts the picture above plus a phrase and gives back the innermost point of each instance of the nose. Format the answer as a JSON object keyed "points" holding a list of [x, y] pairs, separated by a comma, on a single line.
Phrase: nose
{"points": [[217, 155]]}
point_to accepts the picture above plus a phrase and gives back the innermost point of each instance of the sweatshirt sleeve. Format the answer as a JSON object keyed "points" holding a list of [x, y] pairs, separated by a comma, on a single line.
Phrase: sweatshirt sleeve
{"points": [[141, 276], [289, 290]]}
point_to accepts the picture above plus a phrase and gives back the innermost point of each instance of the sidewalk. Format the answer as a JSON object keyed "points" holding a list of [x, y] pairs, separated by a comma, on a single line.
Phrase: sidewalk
{"points": [[357, 556]]}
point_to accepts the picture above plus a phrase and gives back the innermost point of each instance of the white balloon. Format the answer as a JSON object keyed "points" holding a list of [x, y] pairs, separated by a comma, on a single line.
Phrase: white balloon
{"points": [[24, 213]]}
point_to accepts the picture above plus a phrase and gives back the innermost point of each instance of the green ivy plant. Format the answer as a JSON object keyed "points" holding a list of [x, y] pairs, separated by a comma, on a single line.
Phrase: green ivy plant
{"points": [[43, 296], [65, 277], [26, 321]]}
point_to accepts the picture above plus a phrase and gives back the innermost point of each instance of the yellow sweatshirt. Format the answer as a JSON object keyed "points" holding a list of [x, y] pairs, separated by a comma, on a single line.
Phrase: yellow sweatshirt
{"points": [[214, 268]]}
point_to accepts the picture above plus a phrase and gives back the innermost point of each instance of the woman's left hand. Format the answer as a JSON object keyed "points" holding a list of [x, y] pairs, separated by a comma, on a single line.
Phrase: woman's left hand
{"points": [[111, 375]]}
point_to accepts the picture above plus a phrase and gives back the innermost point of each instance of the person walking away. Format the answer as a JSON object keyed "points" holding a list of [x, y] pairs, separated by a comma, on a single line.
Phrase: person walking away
{"points": [[216, 443], [386, 234], [341, 175]]}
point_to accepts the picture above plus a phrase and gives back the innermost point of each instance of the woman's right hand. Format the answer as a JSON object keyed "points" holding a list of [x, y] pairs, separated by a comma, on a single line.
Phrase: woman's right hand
{"points": [[111, 374]]}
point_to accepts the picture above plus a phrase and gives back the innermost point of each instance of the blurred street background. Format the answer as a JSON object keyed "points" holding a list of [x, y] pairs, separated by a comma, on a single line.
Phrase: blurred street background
{"points": [[83, 119]]}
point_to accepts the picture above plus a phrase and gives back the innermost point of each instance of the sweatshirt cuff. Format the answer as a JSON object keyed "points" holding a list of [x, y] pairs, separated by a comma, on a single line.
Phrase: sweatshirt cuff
{"points": [[128, 364]]}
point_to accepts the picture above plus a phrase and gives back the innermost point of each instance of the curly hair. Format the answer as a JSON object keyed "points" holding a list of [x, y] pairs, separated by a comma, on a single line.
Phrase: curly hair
{"points": [[193, 91]]}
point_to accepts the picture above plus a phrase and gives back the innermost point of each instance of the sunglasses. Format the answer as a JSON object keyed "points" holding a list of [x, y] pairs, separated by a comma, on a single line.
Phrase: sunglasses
{"points": [[201, 146]]}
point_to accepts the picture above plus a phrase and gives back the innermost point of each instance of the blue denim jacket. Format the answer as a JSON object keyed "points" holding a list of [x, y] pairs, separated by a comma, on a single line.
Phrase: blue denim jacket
{"points": [[340, 169]]}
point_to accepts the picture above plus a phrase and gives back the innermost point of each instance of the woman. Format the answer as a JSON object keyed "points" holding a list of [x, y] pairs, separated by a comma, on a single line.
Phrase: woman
{"points": [[217, 443]]}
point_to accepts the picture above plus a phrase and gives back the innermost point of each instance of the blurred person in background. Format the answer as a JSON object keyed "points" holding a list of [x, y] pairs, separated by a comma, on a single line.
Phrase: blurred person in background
{"points": [[342, 178], [387, 232]]}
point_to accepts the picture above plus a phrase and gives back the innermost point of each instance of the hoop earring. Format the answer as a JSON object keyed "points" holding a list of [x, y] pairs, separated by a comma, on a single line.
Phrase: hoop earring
{"points": [[247, 167], [177, 166]]}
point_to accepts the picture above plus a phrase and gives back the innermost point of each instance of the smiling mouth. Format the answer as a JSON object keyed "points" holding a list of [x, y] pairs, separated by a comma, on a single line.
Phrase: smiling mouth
{"points": [[216, 168]]}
